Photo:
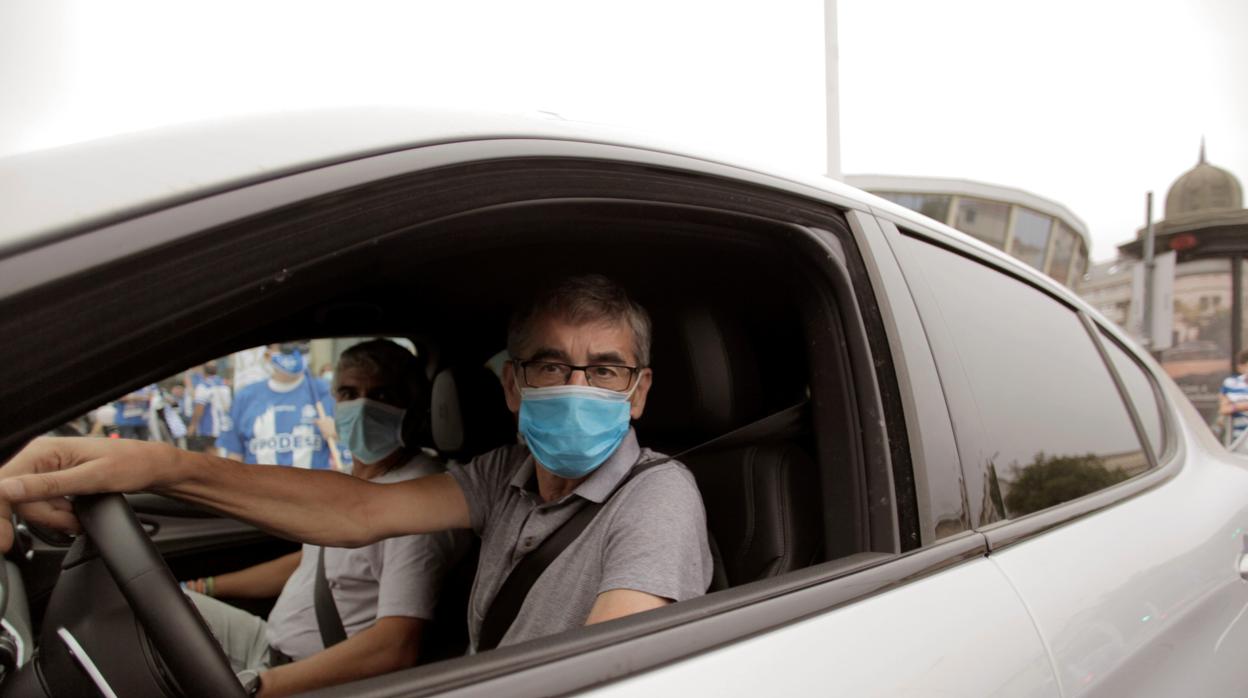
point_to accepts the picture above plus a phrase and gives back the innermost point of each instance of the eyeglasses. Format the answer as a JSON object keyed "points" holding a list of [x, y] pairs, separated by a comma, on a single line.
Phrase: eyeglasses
{"points": [[547, 374]]}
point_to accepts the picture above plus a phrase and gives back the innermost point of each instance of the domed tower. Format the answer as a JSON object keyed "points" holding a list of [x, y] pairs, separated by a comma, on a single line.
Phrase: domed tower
{"points": [[1204, 216], [1203, 189], [1206, 225]]}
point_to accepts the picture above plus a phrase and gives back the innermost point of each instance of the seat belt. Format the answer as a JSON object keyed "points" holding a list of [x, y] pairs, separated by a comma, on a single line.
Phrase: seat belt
{"points": [[327, 619], [506, 604]]}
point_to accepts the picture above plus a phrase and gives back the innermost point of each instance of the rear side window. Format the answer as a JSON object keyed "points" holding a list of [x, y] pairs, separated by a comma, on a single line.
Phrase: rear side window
{"points": [[1141, 391], [1052, 425]]}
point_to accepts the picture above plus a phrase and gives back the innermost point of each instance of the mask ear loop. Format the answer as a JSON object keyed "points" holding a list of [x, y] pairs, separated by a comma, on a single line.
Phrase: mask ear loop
{"points": [[636, 382], [516, 371]]}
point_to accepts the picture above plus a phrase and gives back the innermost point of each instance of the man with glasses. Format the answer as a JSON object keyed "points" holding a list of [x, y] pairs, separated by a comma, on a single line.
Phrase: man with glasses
{"points": [[579, 374]]}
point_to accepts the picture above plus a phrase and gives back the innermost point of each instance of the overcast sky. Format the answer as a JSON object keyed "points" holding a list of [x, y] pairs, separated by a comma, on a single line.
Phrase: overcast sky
{"points": [[1087, 102]]}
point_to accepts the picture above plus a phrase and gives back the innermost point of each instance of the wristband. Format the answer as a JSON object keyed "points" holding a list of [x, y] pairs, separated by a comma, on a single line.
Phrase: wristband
{"points": [[210, 584]]}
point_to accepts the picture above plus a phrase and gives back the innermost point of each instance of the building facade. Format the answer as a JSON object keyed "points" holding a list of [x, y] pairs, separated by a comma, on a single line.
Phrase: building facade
{"points": [[1206, 224], [1038, 231]]}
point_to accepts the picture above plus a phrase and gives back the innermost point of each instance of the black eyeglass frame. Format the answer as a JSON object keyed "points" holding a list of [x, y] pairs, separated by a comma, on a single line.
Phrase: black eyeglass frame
{"points": [[522, 364]]}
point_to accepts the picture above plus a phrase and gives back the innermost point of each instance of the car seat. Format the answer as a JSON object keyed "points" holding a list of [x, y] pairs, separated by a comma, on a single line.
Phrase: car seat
{"points": [[468, 416], [761, 499]]}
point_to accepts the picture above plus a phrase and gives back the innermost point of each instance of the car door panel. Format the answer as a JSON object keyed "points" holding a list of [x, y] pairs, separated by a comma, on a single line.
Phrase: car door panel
{"points": [[1146, 593], [959, 632]]}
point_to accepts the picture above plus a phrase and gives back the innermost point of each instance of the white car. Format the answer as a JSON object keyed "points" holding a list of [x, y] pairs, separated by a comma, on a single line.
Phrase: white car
{"points": [[987, 491]]}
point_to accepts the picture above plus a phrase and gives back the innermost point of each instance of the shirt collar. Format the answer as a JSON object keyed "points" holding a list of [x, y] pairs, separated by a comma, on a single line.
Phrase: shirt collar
{"points": [[605, 478]]}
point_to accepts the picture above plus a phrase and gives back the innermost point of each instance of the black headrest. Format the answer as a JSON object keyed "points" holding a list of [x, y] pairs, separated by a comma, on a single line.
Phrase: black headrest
{"points": [[706, 378], [469, 414]]}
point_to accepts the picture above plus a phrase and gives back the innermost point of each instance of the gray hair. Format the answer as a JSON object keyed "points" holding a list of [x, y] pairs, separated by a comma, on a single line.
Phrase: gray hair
{"points": [[382, 357], [580, 300]]}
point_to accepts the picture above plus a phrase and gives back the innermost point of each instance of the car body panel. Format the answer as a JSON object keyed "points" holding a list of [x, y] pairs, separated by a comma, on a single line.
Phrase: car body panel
{"points": [[960, 632], [1144, 598], [35, 255], [51, 192]]}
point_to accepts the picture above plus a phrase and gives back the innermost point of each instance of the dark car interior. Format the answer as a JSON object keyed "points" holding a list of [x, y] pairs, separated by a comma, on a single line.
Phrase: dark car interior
{"points": [[752, 317]]}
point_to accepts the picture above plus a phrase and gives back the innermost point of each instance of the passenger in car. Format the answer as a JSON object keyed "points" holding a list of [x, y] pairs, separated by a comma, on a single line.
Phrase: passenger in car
{"points": [[578, 375], [383, 594]]}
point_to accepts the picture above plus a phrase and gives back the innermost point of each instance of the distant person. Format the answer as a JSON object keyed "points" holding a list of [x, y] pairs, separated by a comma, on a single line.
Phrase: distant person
{"points": [[167, 404], [1233, 400], [176, 397], [131, 420], [275, 421], [250, 366], [385, 592], [210, 411]]}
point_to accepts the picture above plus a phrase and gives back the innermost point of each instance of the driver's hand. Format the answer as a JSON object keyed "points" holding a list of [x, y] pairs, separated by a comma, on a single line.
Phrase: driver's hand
{"points": [[37, 480]]}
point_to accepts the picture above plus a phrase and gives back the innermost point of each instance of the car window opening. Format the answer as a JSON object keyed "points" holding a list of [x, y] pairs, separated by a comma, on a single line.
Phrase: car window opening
{"points": [[745, 327]]}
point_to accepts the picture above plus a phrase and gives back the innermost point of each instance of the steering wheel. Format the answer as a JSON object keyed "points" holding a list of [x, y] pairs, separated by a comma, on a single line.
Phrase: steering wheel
{"points": [[185, 643]]}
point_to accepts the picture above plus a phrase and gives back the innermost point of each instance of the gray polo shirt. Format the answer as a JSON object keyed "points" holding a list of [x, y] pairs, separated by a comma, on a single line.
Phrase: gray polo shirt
{"points": [[393, 577], [650, 536]]}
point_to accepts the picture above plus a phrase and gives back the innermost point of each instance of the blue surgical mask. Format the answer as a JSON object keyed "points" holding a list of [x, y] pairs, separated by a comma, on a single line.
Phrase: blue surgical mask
{"points": [[288, 363], [573, 429], [371, 430]]}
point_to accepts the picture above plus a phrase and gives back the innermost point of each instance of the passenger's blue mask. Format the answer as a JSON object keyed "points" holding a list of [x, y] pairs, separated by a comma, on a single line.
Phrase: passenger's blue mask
{"points": [[573, 429], [371, 430], [288, 363]]}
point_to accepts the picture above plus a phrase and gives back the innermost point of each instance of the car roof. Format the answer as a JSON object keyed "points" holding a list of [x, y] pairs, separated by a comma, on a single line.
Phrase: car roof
{"points": [[58, 192], [47, 193]]}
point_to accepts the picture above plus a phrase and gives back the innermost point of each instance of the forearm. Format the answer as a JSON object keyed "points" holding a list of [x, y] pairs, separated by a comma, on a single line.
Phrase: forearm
{"points": [[391, 644], [320, 507], [262, 581], [316, 507]]}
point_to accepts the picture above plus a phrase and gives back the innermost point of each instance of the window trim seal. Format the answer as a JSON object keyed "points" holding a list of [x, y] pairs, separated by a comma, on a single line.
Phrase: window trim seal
{"points": [[1169, 425], [1136, 422], [929, 426]]}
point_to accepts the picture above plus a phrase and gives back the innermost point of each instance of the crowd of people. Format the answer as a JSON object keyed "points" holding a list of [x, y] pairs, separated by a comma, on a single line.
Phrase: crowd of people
{"points": [[274, 412]]}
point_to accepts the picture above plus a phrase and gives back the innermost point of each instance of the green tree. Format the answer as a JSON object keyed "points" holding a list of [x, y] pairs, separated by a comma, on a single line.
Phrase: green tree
{"points": [[1051, 480]]}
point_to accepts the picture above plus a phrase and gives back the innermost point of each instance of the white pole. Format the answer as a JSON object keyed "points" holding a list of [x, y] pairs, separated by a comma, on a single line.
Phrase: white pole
{"points": [[1149, 266], [832, 88]]}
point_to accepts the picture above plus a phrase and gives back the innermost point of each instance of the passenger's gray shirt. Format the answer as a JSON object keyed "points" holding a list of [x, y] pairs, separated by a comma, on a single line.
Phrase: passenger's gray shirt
{"points": [[393, 577], [650, 536]]}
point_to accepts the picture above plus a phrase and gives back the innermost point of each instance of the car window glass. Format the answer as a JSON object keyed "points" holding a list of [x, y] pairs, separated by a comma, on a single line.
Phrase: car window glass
{"points": [[1140, 389], [195, 409], [1053, 424]]}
